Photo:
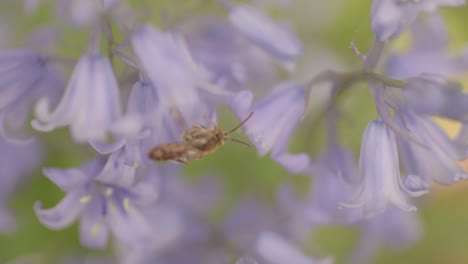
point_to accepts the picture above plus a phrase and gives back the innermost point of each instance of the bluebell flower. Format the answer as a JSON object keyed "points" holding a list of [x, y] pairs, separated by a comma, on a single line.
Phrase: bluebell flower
{"points": [[102, 196], [334, 178], [381, 184], [267, 34], [133, 131], [274, 249], [435, 95], [18, 163], [439, 162], [428, 53], [166, 61], [168, 224], [24, 75], [83, 12], [393, 229], [234, 63], [89, 105], [391, 17], [274, 121], [246, 220]]}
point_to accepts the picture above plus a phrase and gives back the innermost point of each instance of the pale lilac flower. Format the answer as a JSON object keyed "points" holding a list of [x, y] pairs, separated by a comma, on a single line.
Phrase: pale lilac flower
{"points": [[132, 132], [381, 183], [393, 228], [439, 161], [429, 52], [83, 12], [24, 76], [246, 220], [169, 226], [391, 17], [267, 34], [334, 178], [274, 249], [274, 121], [101, 194], [233, 61], [435, 95], [89, 105], [178, 79], [18, 163]]}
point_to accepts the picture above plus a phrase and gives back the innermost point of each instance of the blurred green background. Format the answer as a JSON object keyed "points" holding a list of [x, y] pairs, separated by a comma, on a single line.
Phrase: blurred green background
{"points": [[327, 29]]}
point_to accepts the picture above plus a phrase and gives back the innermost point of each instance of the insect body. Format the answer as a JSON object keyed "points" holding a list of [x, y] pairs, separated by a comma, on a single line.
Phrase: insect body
{"points": [[199, 141]]}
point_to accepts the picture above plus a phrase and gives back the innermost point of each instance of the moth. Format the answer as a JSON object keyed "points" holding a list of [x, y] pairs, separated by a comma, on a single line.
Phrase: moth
{"points": [[198, 141]]}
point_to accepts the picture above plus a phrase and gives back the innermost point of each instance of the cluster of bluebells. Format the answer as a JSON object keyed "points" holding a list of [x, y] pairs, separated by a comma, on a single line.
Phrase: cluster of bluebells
{"points": [[177, 76]]}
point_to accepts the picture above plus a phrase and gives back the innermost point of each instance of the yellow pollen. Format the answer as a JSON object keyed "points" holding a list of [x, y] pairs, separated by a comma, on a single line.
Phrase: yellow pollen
{"points": [[126, 205], [95, 229], [136, 165], [85, 199], [109, 191]]}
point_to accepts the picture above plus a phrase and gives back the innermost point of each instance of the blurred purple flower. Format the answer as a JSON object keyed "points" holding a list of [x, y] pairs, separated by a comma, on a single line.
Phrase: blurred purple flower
{"points": [[439, 161], [391, 17], [274, 249], [168, 225], [178, 79], [393, 228], [102, 195], [435, 95], [335, 176], [83, 12], [246, 220], [24, 76], [234, 63], [381, 183], [265, 33], [18, 163], [132, 132], [274, 121], [89, 105], [429, 52]]}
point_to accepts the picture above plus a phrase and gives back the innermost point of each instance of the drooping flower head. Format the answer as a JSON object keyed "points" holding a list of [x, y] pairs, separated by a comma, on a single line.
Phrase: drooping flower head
{"points": [[24, 76], [234, 63], [439, 160], [267, 34], [428, 54], [89, 105], [168, 64], [381, 183], [18, 163], [101, 194], [434, 95], [274, 121], [391, 17]]}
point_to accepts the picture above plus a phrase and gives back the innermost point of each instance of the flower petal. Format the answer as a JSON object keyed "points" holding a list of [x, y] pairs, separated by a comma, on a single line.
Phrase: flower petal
{"points": [[277, 250], [381, 183], [265, 33], [63, 214], [94, 232], [294, 163], [66, 180], [129, 225]]}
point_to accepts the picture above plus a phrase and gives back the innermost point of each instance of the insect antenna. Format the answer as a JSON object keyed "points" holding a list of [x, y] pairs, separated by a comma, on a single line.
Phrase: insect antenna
{"points": [[238, 126], [239, 141]]}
